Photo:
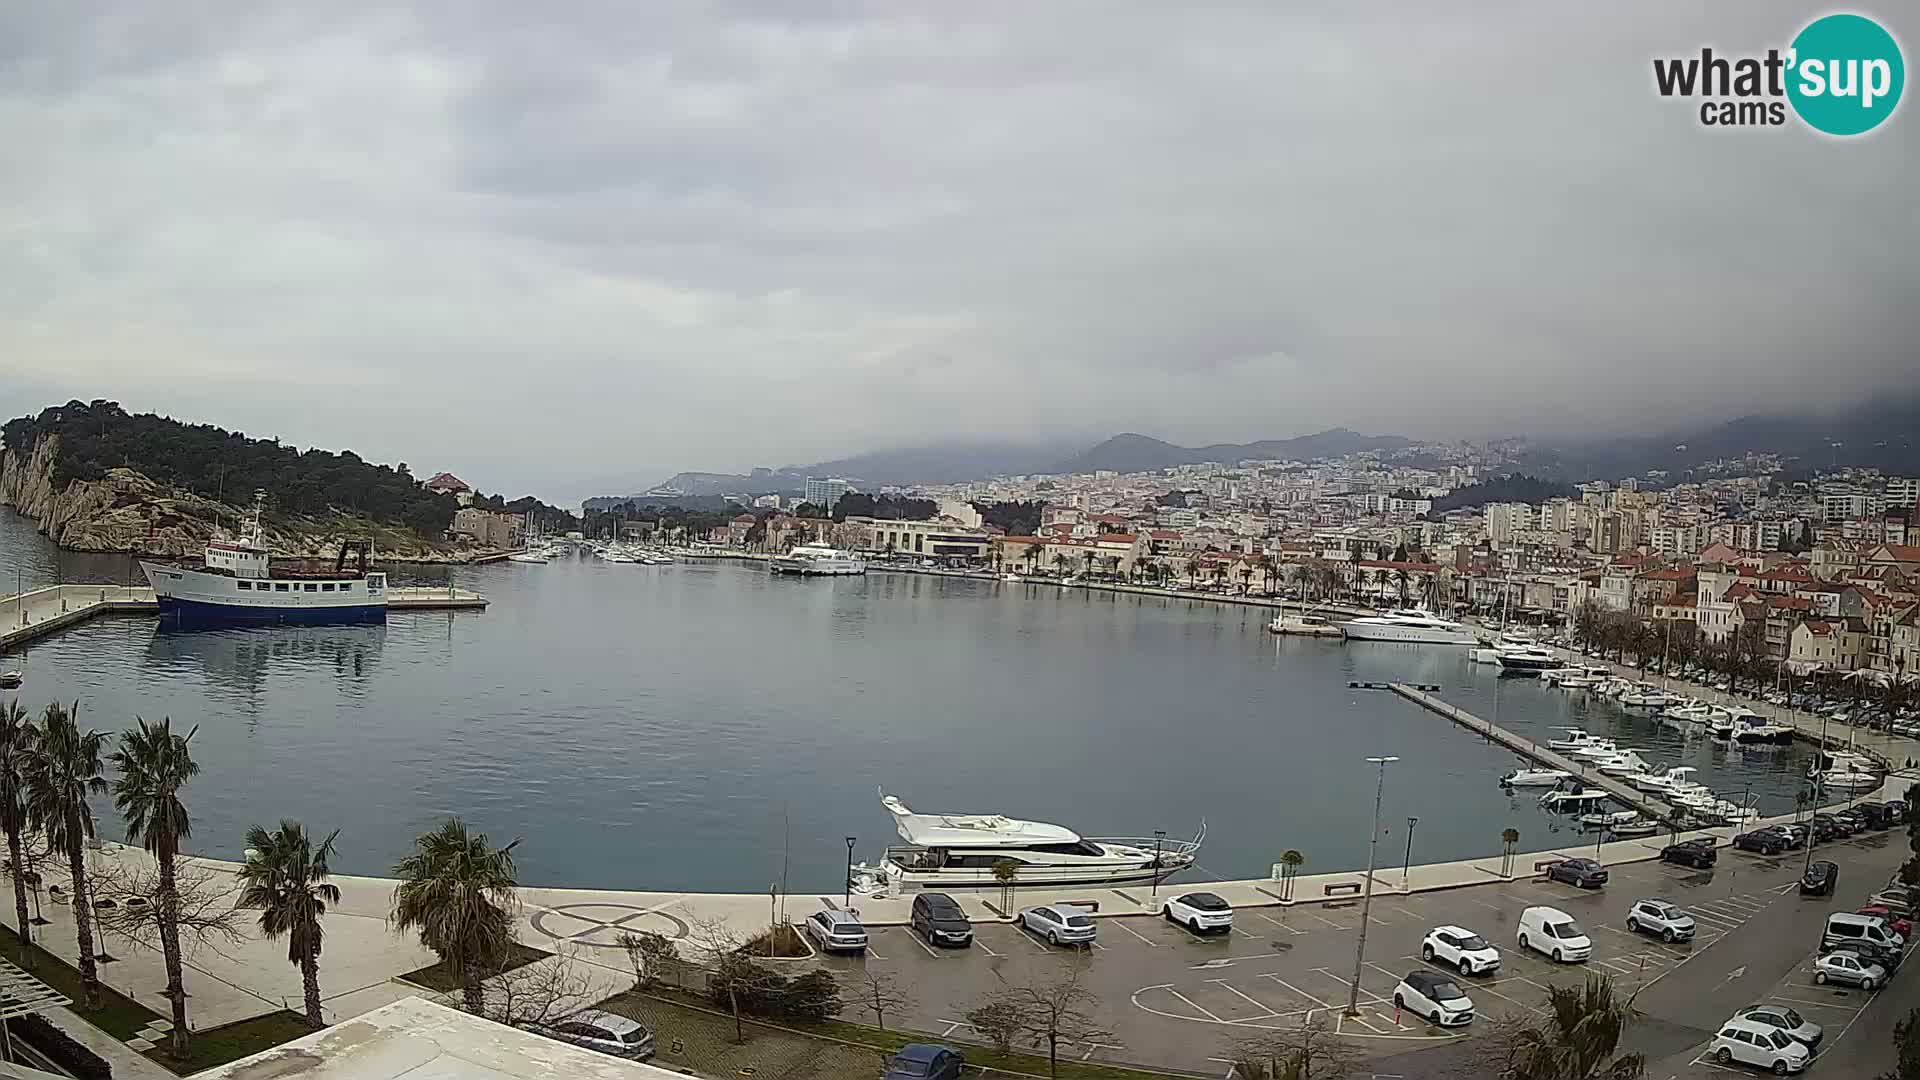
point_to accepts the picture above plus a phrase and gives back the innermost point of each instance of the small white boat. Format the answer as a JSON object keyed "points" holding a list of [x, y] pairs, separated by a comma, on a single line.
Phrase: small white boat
{"points": [[1639, 826], [1534, 777], [1671, 782], [11, 680], [1527, 660], [1595, 750], [1848, 779], [1625, 763], [1010, 576], [527, 557], [1607, 819], [1644, 696], [1576, 739], [1573, 800]]}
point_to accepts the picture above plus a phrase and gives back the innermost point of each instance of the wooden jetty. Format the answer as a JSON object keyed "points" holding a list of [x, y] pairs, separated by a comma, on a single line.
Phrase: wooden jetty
{"points": [[28, 616]]}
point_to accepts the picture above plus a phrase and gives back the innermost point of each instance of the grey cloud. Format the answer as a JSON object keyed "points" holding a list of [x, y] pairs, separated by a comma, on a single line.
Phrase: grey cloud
{"points": [[616, 237]]}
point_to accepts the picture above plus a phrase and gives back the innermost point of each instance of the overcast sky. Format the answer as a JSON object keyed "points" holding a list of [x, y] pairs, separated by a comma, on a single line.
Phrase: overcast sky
{"points": [[573, 248]]}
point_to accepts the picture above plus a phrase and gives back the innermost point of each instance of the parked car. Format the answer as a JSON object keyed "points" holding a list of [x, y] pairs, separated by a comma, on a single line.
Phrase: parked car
{"points": [[1829, 827], [1200, 912], [1852, 926], [1855, 820], [937, 918], [924, 1061], [835, 931], [1900, 924], [1798, 1027], [1898, 807], [1898, 898], [1553, 933], [1467, 951], [1764, 841], [1580, 873], [1434, 996], [1060, 924], [1819, 878], [1878, 815], [1697, 853], [1796, 834], [608, 1033], [1661, 919], [1753, 1043], [1847, 966], [1885, 957]]}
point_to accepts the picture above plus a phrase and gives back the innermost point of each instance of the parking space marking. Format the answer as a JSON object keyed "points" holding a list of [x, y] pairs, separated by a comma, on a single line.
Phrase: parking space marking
{"points": [[874, 955], [1297, 990], [1706, 1058], [1278, 923], [1149, 942], [1488, 987], [1329, 922], [1256, 1002], [1027, 936], [1818, 1004], [1194, 1006], [982, 942], [1714, 918], [924, 947], [1483, 903]]}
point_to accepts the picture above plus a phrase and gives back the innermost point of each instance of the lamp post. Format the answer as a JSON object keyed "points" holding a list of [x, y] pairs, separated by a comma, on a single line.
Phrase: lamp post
{"points": [[1819, 759], [1159, 837], [1366, 899], [1406, 868], [847, 902]]}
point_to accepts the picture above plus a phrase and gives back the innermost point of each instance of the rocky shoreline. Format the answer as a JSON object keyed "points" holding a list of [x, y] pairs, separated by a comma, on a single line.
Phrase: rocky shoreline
{"points": [[126, 512]]}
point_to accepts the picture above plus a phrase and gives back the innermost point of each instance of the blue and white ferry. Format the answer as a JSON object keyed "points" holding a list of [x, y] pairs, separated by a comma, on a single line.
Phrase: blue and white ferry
{"points": [[236, 584]]}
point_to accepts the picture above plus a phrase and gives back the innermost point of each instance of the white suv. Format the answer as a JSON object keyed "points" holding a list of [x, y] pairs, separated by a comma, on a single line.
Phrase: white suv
{"points": [[1753, 1043], [1200, 912], [1467, 951]]}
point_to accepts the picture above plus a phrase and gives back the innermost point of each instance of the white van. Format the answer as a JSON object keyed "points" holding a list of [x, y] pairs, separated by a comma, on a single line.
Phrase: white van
{"points": [[1552, 932], [1846, 926]]}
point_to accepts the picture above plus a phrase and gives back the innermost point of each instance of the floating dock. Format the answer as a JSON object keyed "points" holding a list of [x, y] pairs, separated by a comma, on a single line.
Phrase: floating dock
{"points": [[37, 613], [1543, 755]]}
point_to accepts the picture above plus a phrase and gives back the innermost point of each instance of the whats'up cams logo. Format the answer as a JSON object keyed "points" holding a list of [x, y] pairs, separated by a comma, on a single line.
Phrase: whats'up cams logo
{"points": [[1842, 75]]}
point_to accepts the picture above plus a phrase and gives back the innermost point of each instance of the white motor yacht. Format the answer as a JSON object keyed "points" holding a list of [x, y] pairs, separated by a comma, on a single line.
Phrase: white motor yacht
{"points": [[1573, 800], [527, 557], [1576, 739], [1607, 819], [961, 850], [1409, 626], [818, 560], [1644, 696], [1490, 653], [1634, 826], [1595, 750], [1840, 760], [1527, 660], [1625, 763], [1525, 777], [1694, 713], [1661, 783], [1752, 729]]}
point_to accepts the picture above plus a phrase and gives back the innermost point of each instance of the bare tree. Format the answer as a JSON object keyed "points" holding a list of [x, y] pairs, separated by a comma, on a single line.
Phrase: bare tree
{"points": [[732, 975], [654, 958], [538, 993], [126, 903], [880, 993], [1309, 1051], [1054, 1011], [996, 1020]]}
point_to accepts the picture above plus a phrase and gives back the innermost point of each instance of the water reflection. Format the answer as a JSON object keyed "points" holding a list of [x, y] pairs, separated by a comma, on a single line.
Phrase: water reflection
{"points": [[239, 662]]}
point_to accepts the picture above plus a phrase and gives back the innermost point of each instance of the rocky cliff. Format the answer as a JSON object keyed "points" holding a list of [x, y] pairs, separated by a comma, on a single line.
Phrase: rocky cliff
{"points": [[127, 511]]}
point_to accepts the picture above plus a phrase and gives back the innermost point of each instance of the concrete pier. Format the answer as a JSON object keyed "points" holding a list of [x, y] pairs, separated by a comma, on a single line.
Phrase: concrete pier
{"points": [[1544, 755], [32, 615]]}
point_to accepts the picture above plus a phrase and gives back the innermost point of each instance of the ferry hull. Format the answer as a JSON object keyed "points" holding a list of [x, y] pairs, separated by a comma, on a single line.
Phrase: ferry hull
{"points": [[204, 613]]}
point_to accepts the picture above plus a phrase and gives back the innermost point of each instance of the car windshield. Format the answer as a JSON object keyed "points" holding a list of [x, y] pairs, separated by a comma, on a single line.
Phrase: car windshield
{"points": [[1445, 990], [635, 1037], [1792, 1018], [1665, 911], [1206, 901], [906, 1067], [1563, 930], [1779, 1040], [1473, 941]]}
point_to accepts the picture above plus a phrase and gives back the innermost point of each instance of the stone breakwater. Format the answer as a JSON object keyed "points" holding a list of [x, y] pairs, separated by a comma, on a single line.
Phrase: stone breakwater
{"points": [[128, 511]]}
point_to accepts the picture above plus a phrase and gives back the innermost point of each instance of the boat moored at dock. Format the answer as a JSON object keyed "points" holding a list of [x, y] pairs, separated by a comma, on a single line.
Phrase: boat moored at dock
{"points": [[1409, 626], [818, 560], [237, 584]]}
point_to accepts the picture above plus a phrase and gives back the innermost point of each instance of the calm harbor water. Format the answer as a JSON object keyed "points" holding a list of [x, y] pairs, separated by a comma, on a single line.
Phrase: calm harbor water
{"points": [[693, 726]]}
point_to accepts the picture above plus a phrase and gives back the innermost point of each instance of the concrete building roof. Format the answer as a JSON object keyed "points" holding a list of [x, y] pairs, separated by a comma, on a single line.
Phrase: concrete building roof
{"points": [[419, 1040]]}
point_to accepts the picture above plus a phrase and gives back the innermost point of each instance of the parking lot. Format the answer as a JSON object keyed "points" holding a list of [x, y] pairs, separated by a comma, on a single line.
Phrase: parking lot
{"points": [[1183, 1001]]}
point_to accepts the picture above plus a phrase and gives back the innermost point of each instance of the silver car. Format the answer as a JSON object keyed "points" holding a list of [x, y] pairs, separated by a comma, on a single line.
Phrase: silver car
{"points": [[1661, 919], [1787, 1020], [609, 1033], [1850, 968], [1060, 924], [836, 931]]}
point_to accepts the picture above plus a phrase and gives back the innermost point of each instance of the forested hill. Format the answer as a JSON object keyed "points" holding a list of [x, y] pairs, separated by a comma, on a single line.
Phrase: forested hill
{"points": [[226, 465], [1517, 487]]}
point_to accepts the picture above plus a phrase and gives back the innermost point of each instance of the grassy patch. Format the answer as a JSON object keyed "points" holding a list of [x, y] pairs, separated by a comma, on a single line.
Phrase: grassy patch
{"points": [[692, 1033], [118, 1015], [217, 1046], [440, 977], [787, 944]]}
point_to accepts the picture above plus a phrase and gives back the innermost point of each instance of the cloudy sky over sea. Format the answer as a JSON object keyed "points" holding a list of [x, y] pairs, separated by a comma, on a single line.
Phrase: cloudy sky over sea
{"points": [[579, 247]]}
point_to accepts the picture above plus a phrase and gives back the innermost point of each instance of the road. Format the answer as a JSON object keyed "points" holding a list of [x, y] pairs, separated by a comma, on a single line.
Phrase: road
{"points": [[1178, 1001]]}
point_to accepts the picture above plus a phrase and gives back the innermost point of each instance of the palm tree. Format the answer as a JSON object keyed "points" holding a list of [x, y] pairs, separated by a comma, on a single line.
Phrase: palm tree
{"points": [[154, 765], [285, 876], [63, 771], [17, 736], [1401, 577], [1574, 1039], [1300, 574], [458, 892], [1062, 560], [1291, 860]]}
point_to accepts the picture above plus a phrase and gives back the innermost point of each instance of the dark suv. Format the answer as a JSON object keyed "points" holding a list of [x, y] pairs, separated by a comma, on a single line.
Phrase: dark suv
{"points": [[1820, 879], [938, 920], [1697, 853], [1764, 841]]}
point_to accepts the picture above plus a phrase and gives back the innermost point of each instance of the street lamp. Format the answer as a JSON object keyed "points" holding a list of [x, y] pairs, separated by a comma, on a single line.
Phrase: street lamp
{"points": [[1406, 868], [1366, 898], [1159, 837], [848, 901]]}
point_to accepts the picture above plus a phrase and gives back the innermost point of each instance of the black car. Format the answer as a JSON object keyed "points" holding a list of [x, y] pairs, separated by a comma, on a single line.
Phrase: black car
{"points": [[1854, 820], [1697, 853], [924, 1061], [1819, 879], [1828, 827], [1764, 841], [1878, 815], [938, 920], [1580, 873], [1886, 958], [1898, 808]]}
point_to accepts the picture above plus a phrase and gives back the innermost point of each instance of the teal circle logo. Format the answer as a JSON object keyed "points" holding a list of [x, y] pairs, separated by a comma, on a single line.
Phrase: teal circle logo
{"points": [[1845, 74]]}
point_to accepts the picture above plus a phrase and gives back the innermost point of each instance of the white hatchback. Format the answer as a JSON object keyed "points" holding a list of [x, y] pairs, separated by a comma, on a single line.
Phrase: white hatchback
{"points": [[1752, 1043], [1434, 996], [1467, 951]]}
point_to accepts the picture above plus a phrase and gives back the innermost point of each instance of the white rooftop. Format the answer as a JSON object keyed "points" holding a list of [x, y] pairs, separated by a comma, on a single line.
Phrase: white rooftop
{"points": [[419, 1040]]}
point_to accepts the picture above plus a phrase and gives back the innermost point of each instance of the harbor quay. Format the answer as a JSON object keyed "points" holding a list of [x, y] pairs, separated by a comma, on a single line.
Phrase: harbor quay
{"points": [[1142, 973]]}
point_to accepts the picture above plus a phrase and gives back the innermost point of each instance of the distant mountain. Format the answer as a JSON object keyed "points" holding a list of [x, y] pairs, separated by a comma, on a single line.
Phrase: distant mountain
{"points": [[1879, 435], [947, 463], [1142, 453]]}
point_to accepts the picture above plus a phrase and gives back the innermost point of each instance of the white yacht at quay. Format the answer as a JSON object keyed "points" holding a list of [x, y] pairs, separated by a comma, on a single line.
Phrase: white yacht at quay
{"points": [[1527, 659], [1409, 626], [818, 560], [959, 851]]}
